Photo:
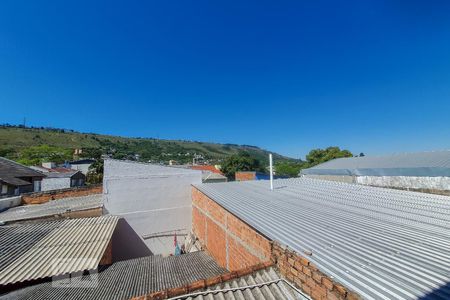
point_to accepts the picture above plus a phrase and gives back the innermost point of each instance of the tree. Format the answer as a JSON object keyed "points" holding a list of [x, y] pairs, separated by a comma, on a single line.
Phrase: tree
{"points": [[318, 156], [95, 172], [36, 155], [288, 169], [239, 162]]}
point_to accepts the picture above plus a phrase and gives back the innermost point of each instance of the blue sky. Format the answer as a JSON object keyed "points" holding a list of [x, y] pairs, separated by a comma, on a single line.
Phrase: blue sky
{"points": [[289, 76]]}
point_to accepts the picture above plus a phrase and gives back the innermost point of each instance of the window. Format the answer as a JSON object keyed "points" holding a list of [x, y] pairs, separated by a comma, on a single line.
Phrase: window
{"points": [[4, 189], [37, 185]]}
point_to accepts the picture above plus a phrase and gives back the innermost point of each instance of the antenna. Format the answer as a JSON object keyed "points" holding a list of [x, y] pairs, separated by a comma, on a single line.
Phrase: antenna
{"points": [[271, 171]]}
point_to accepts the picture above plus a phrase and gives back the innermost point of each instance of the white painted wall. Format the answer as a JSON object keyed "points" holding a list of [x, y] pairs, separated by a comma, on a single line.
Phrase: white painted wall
{"points": [[154, 200], [412, 182], [49, 184], [84, 168]]}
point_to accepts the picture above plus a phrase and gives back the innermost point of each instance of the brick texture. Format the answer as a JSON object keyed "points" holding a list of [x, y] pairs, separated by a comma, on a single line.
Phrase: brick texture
{"points": [[42, 197], [244, 176], [307, 276], [232, 243], [236, 245]]}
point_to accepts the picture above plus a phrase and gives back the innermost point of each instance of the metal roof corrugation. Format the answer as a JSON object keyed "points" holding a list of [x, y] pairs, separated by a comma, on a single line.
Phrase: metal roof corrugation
{"points": [[433, 163], [381, 243], [51, 208], [131, 278], [10, 168], [261, 285], [66, 246]]}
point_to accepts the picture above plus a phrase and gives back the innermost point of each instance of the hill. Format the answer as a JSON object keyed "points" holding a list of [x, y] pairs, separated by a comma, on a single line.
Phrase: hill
{"points": [[15, 140]]}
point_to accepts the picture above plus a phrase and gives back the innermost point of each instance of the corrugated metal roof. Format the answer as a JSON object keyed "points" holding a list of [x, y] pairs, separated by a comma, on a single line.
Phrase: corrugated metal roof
{"points": [[65, 174], [261, 285], [10, 168], [131, 278], [51, 208], [433, 163], [44, 249], [381, 243], [14, 181]]}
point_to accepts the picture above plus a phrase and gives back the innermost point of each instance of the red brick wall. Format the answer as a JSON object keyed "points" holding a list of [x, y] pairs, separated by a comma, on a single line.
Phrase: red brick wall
{"points": [[232, 243], [235, 245], [42, 197], [245, 176]]}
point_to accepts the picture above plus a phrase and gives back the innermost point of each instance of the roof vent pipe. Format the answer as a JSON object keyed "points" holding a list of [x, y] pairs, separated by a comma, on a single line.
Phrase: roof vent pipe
{"points": [[271, 171]]}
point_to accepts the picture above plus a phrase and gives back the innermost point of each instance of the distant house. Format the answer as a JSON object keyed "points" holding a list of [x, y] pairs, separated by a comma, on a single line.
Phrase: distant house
{"points": [[210, 173], [61, 178], [16, 179], [422, 171], [81, 165], [251, 175]]}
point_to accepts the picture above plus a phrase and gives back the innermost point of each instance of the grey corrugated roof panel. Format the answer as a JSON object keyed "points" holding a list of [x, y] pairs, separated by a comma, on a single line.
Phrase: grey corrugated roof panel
{"points": [[10, 168], [51, 208], [61, 174], [261, 285], [433, 163], [45, 249], [15, 181], [131, 278], [381, 243]]}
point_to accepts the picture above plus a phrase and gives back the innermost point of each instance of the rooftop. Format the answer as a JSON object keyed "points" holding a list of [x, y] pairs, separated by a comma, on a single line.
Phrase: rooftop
{"points": [[64, 174], [261, 285], [132, 278], [39, 250], [11, 172], [51, 208], [378, 242], [432, 163]]}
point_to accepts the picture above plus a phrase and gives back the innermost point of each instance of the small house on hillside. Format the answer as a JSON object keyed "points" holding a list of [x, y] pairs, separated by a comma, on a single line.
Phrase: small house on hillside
{"points": [[81, 165], [56, 180], [16, 179]]}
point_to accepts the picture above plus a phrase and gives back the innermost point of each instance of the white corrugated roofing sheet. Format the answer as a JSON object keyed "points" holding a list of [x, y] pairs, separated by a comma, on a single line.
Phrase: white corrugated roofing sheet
{"points": [[381, 243], [265, 284], [128, 279], [45, 249], [432, 163], [51, 208]]}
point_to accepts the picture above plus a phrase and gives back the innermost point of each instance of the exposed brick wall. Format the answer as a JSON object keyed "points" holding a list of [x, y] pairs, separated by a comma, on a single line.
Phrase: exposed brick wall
{"points": [[42, 197], [202, 284], [245, 176], [307, 277], [235, 245], [231, 242]]}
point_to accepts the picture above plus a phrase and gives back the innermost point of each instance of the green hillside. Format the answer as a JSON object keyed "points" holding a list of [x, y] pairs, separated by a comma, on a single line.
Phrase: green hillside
{"points": [[15, 141]]}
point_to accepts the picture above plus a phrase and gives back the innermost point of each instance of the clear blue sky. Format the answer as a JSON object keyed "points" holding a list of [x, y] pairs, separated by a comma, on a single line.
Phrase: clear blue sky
{"points": [[370, 76]]}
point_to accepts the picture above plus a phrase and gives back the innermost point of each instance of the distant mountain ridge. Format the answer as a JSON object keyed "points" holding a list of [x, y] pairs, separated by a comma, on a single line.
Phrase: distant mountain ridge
{"points": [[13, 139]]}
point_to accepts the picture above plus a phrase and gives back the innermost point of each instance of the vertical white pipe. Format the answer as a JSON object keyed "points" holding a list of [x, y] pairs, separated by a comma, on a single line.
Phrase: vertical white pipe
{"points": [[271, 171]]}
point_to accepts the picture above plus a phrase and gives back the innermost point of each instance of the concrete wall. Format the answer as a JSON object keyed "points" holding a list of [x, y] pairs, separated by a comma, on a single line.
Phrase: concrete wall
{"points": [[407, 182], [6, 203], [84, 168], [433, 185], [50, 184], [236, 245], [340, 178], [154, 200]]}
